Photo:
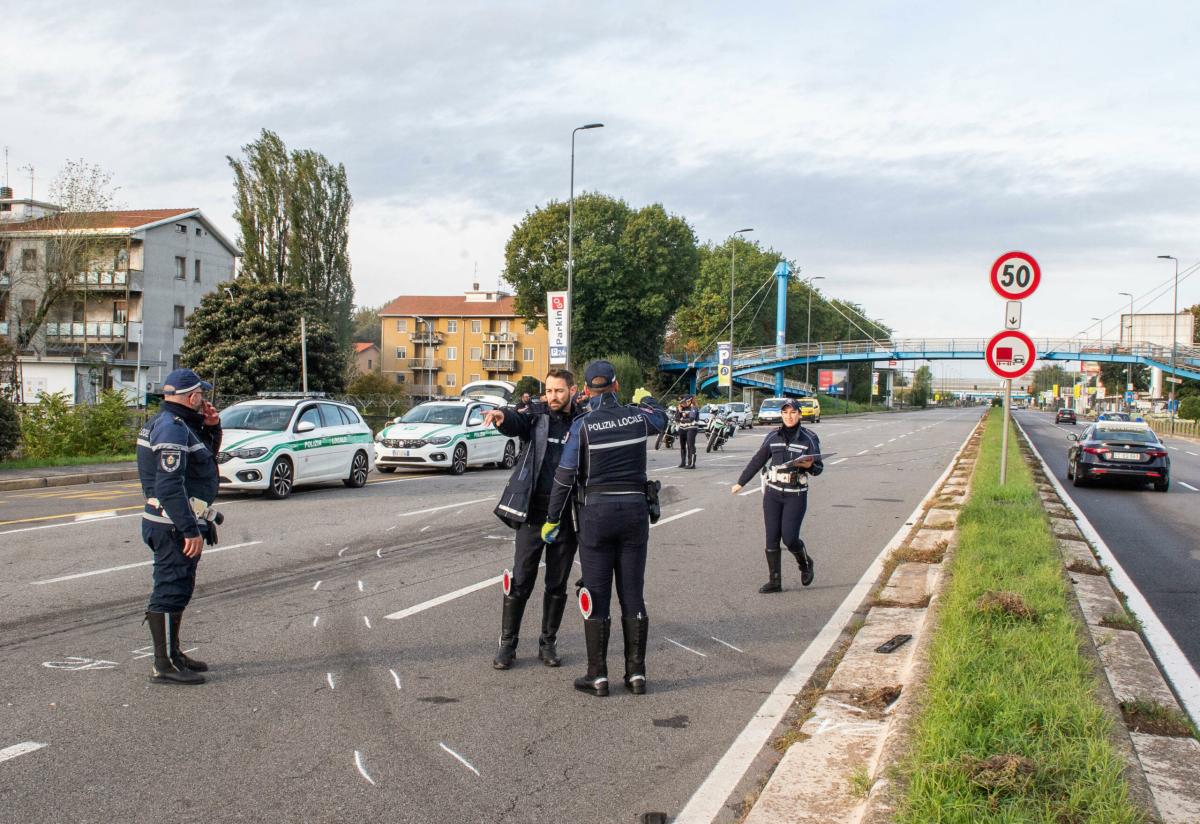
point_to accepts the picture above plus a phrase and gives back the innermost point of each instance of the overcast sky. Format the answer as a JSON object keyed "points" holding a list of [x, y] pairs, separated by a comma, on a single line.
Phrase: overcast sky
{"points": [[893, 147]]}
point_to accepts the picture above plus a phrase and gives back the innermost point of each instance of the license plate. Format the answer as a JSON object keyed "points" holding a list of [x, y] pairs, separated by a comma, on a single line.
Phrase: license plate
{"points": [[1127, 456]]}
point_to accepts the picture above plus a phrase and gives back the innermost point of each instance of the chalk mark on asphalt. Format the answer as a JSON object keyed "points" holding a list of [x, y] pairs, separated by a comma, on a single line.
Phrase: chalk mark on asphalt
{"points": [[461, 760], [726, 643], [342, 551], [317, 584], [316, 618], [682, 646], [440, 508], [358, 762], [329, 679], [360, 586], [1188, 486], [395, 678], [367, 621]]}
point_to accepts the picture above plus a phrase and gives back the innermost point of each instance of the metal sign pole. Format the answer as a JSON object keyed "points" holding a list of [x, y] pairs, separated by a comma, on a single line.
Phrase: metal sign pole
{"points": [[1004, 432]]}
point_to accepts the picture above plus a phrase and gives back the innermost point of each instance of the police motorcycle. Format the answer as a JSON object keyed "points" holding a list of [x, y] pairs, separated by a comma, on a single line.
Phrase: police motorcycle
{"points": [[672, 427], [719, 429]]}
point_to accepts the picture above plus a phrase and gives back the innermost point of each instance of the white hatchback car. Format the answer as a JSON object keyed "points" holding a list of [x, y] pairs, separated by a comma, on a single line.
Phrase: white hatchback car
{"points": [[273, 443], [446, 434]]}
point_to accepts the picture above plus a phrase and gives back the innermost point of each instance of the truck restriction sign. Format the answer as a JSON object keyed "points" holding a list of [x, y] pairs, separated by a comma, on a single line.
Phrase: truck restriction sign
{"points": [[1015, 275], [1010, 354]]}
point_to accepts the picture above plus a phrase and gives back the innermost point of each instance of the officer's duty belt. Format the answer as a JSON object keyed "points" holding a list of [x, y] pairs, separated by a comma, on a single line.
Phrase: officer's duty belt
{"points": [[595, 492]]}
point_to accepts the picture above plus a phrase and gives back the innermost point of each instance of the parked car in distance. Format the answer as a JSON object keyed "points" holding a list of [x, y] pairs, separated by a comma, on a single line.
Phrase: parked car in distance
{"points": [[739, 414], [1118, 449], [810, 410], [448, 435], [768, 411], [1065, 416]]}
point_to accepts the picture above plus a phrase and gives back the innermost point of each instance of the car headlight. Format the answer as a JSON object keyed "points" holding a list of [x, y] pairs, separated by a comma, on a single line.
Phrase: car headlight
{"points": [[250, 452], [379, 437], [439, 440]]}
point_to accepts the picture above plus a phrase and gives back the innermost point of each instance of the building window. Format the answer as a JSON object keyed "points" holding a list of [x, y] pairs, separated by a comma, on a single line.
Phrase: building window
{"points": [[474, 378], [401, 352], [451, 380], [451, 326], [197, 262], [29, 260], [476, 353], [399, 379], [180, 268], [370, 365], [120, 311], [78, 312], [504, 327], [528, 355], [476, 326], [402, 324], [181, 228], [451, 353], [28, 307], [179, 318], [530, 326], [127, 375], [174, 362], [197, 231]]}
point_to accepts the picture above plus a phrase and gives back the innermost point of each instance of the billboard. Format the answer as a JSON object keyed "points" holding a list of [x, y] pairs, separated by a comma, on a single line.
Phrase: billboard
{"points": [[832, 381], [558, 322], [724, 363], [1156, 329]]}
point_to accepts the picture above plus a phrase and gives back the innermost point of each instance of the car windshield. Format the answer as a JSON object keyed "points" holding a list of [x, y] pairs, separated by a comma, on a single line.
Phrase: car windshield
{"points": [[1125, 436], [807, 402], [435, 413], [771, 404], [1114, 416], [737, 407], [263, 417]]}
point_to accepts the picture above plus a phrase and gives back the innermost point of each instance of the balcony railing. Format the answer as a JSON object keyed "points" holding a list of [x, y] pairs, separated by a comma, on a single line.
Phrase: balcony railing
{"points": [[3, 328], [101, 280], [424, 364], [500, 364], [500, 337], [92, 330], [426, 338]]}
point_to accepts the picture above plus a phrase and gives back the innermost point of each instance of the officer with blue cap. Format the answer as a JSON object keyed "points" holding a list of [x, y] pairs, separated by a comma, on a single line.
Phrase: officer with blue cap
{"points": [[176, 456], [604, 463]]}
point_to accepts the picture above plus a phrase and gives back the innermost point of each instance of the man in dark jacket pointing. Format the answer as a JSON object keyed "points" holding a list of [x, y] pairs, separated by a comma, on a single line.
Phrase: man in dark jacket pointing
{"points": [[523, 505]]}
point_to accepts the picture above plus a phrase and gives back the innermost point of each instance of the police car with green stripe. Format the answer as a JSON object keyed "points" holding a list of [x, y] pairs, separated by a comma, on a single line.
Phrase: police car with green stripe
{"points": [[449, 434], [275, 442]]}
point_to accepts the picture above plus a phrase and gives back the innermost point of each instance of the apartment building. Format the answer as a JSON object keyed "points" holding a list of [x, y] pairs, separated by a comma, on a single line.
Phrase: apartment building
{"points": [[124, 324], [438, 343]]}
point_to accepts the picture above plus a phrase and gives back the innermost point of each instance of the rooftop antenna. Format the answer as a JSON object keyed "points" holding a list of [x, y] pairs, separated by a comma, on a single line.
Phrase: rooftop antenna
{"points": [[28, 167], [5, 165]]}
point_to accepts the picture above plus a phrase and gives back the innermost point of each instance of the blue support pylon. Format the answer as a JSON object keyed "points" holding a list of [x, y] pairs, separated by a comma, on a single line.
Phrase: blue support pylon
{"points": [[782, 273]]}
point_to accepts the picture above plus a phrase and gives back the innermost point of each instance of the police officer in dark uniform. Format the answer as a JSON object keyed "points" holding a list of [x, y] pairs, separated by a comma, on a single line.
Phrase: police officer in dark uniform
{"points": [[785, 496], [687, 424], [523, 505], [176, 457], [604, 464]]}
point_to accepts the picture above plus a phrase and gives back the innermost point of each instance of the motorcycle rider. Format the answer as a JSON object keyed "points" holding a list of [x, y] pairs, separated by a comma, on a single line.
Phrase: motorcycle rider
{"points": [[687, 425]]}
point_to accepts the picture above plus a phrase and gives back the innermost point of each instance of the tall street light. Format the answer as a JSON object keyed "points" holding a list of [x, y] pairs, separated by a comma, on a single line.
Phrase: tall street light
{"points": [[808, 334], [1129, 366], [1174, 337], [732, 251], [571, 241]]}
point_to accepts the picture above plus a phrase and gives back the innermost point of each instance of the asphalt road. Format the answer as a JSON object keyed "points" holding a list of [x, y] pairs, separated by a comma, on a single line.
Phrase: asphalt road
{"points": [[1154, 535], [351, 634]]}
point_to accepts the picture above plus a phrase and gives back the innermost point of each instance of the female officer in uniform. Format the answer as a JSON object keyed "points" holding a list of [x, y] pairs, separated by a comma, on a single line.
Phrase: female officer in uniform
{"points": [[785, 497], [687, 424]]}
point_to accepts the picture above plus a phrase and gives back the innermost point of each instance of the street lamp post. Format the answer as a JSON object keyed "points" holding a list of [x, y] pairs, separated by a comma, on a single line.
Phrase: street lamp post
{"points": [[571, 241], [732, 251], [808, 334], [1129, 366], [1174, 338]]}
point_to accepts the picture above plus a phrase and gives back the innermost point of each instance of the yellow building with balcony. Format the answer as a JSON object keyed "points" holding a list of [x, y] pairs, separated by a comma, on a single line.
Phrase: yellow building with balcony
{"points": [[437, 343]]}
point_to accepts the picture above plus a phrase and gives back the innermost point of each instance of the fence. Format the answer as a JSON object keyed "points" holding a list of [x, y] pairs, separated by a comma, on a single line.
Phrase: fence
{"points": [[1187, 429]]}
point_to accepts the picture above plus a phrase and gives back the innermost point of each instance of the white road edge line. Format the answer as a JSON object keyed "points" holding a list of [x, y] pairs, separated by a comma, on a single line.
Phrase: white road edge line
{"points": [[362, 770], [1175, 664], [726, 643], [681, 646], [224, 504], [709, 798], [92, 516], [677, 517], [20, 749], [1187, 485], [131, 566], [461, 760], [440, 508]]}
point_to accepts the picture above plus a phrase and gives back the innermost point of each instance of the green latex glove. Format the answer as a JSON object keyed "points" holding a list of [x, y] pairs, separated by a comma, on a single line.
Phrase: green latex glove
{"points": [[640, 393], [550, 532]]}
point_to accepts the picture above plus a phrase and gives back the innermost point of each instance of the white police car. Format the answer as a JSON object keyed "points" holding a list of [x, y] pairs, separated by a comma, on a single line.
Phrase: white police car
{"points": [[449, 434], [275, 442]]}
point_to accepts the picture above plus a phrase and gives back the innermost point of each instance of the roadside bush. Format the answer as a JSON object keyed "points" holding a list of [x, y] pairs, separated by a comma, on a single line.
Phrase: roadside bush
{"points": [[46, 428], [1189, 408], [52, 428], [105, 427], [629, 375], [10, 428]]}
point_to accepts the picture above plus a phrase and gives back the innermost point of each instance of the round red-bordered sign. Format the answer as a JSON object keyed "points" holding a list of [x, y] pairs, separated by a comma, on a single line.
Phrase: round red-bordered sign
{"points": [[1010, 354], [1015, 275]]}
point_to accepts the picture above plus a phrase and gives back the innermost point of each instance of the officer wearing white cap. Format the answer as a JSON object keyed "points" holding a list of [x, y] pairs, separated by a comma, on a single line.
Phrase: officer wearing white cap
{"points": [[176, 456], [604, 464], [788, 456]]}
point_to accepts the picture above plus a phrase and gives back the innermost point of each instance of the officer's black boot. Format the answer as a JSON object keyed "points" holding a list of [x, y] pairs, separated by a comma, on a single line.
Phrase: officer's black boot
{"points": [[180, 660], [635, 630], [595, 632], [165, 671], [510, 628], [552, 612], [692, 461], [805, 562], [682, 459], [773, 583]]}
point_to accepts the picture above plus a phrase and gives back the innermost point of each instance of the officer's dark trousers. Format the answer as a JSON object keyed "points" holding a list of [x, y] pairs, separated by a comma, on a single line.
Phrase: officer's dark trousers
{"points": [[783, 513], [613, 533], [559, 558], [174, 572], [687, 443]]}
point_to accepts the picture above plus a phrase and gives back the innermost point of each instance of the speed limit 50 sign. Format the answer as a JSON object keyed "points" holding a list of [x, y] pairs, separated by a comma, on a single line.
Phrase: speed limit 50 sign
{"points": [[1015, 275]]}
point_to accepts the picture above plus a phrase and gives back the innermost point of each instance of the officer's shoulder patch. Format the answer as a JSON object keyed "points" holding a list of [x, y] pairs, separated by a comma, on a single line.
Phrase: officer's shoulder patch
{"points": [[169, 459]]}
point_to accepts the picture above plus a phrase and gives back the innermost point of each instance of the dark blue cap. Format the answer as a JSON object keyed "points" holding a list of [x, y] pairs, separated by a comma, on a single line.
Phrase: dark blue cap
{"points": [[182, 381], [792, 402], [599, 374]]}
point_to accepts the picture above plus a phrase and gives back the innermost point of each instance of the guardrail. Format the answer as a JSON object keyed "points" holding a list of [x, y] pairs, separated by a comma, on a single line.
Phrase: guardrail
{"points": [[1187, 429], [425, 364], [97, 330], [500, 364]]}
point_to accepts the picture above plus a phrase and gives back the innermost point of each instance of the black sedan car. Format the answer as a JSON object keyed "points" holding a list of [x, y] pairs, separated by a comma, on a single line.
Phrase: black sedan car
{"points": [[1114, 449], [1065, 416]]}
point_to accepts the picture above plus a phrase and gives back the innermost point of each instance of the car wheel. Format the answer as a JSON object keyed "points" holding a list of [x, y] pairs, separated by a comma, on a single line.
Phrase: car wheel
{"points": [[388, 469], [282, 479], [358, 471], [1076, 476], [458, 463], [510, 456], [1163, 485]]}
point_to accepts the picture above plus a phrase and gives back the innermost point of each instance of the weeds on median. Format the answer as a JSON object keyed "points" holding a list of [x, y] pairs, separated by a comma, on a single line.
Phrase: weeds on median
{"points": [[1010, 730]]}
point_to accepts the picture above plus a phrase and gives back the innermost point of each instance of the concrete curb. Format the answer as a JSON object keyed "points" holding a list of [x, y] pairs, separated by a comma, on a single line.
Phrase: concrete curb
{"points": [[70, 479]]}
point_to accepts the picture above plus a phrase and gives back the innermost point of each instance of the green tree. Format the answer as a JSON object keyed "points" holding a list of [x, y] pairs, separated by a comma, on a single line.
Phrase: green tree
{"points": [[10, 428], [1113, 376], [251, 342], [632, 269], [1189, 408], [528, 384], [922, 387], [366, 325], [1045, 377], [292, 211], [374, 383]]}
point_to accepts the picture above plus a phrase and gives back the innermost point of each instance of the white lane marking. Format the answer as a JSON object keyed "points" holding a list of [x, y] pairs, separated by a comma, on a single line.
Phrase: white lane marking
{"points": [[461, 760], [864, 452], [891, 440], [1174, 448], [316, 618], [361, 769], [677, 517], [379, 552], [329, 679], [224, 504], [92, 516], [1187, 485], [20, 749], [395, 678], [689, 649], [426, 528], [838, 461], [725, 643], [367, 621], [440, 508], [342, 551], [390, 528], [131, 566], [316, 585], [360, 586], [400, 480], [877, 446], [1174, 663], [1194, 453], [709, 799], [750, 491]]}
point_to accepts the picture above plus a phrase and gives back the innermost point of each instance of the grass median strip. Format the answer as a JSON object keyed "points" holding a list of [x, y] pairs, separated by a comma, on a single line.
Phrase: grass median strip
{"points": [[1010, 729]]}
